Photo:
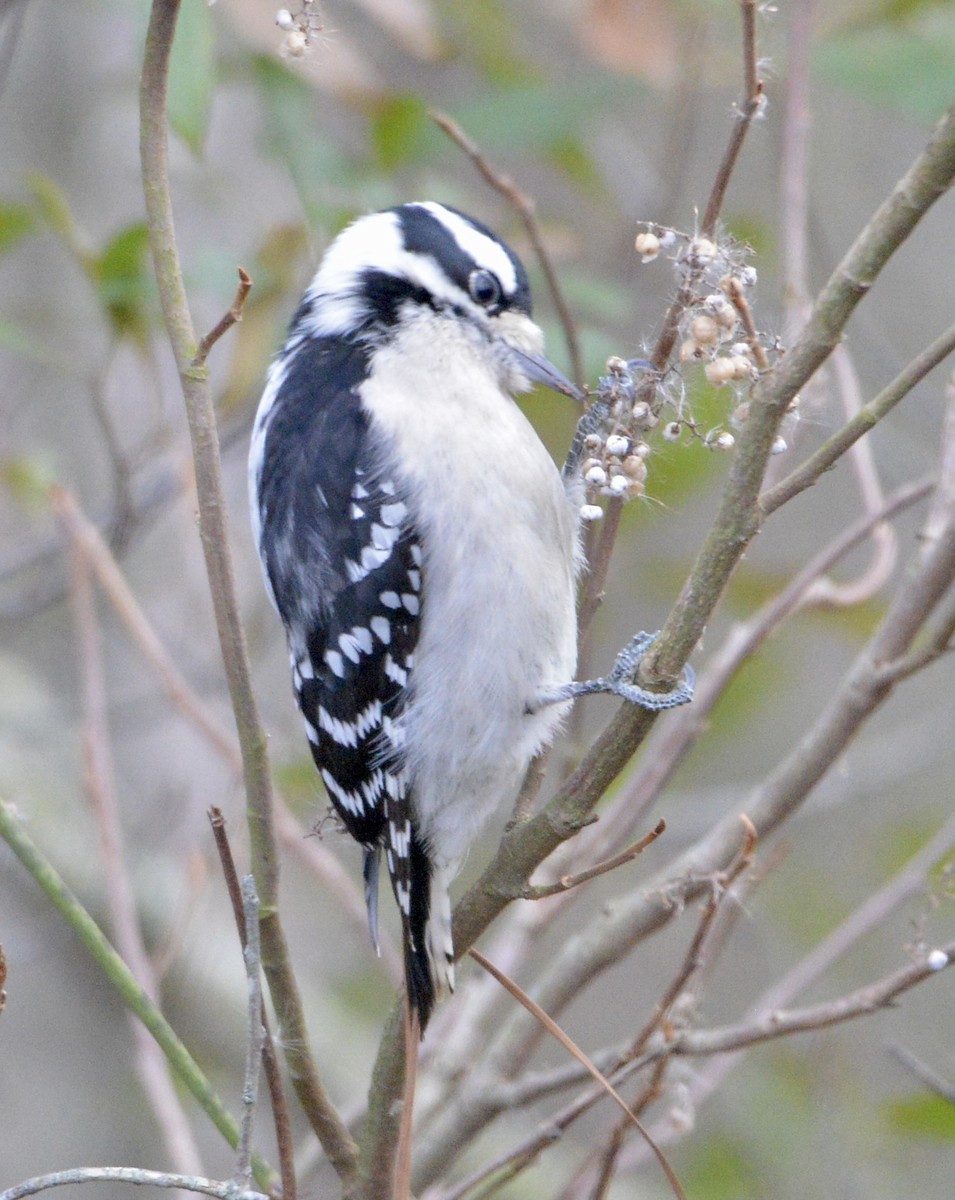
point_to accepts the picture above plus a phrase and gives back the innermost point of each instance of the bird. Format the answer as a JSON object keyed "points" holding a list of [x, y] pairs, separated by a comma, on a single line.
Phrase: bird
{"points": [[421, 548]]}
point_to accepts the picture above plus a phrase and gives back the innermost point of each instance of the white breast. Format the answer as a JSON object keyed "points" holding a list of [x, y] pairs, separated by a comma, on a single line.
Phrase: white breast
{"points": [[498, 610]]}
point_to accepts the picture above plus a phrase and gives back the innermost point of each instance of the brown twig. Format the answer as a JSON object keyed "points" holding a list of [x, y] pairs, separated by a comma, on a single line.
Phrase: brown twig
{"points": [[273, 1076], [673, 741], [525, 209], [734, 293], [556, 1032], [719, 889], [748, 108], [924, 1073], [256, 1033], [809, 472], [232, 317], [599, 564], [781, 1023], [608, 1158], [153, 1069], [909, 881], [566, 882]]}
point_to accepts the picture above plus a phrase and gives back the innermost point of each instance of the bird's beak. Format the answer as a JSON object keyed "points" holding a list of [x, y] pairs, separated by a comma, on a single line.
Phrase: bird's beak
{"points": [[541, 370]]}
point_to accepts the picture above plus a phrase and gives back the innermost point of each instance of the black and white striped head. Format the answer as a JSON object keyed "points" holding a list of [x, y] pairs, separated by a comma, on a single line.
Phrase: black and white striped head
{"points": [[385, 266]]}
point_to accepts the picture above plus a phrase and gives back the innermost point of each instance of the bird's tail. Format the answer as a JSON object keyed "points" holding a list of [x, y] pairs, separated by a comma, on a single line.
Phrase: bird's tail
{"points": [[421, 890]]}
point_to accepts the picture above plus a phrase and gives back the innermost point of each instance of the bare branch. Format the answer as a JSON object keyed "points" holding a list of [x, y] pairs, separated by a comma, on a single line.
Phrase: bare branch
{"points": [[232, 317], [280, 1113], [100, 787], [924, 1073], [525, 209], [134, 1175], [256, 1033], [737, 522], [566, 882], [869, 999], [126, 984], [868, 417], [748, 108]]}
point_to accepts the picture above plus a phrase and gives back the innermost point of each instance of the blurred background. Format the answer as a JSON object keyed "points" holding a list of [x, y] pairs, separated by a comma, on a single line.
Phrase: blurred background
{"points": [[608, 113]]}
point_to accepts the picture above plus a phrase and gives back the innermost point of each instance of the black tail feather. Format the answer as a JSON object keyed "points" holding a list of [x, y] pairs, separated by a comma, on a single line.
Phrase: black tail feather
{"points": [[419, 973]]}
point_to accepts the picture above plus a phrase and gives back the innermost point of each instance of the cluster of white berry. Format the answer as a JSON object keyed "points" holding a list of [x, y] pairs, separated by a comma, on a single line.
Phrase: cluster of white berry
{"points": [[615, 458], [712, 330], [299, 28]]}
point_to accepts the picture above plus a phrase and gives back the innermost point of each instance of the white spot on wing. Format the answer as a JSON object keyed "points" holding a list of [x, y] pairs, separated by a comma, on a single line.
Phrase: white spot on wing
{"points": [[393, 514], [383, 537], [372, 557]]}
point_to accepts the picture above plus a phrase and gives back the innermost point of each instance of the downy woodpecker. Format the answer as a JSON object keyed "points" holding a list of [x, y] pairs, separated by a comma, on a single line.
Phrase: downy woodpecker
{"points": [[421, 549]]}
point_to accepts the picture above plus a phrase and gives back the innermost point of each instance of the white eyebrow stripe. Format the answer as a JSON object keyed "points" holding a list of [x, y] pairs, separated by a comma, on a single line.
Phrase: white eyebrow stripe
{"points": [[485, 251]]}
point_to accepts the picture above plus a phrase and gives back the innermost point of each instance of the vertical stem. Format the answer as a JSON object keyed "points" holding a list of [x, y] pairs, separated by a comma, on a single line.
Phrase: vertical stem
{"points": [[214, 533]]}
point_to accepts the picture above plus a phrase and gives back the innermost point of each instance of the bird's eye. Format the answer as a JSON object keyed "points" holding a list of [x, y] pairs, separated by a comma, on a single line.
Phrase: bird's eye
{"points": [[484, 288]]}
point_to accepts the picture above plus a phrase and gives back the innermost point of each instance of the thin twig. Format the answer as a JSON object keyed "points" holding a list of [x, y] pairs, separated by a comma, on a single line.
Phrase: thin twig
{"points": [[737, 297], [525, 209], [566, 882], [556, 1032], [874, 996], [110, 577], [226, 1190], [232, 317], [599, 563], [153, 1069], [674, 740], [748, 108], [924, 1073], [255, 1035], [273, 1076], [719, 889]]}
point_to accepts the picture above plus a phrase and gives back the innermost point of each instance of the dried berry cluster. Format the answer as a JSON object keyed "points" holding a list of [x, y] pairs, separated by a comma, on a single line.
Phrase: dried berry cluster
{"points": [[715, 332]]}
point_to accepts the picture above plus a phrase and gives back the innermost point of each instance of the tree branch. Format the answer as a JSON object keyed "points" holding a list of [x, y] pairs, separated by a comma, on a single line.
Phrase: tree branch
{"points": [[213, 529]]}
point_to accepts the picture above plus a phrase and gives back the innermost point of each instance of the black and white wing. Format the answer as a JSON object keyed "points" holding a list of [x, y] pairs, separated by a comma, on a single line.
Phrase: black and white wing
{"points": [[343, 562]]}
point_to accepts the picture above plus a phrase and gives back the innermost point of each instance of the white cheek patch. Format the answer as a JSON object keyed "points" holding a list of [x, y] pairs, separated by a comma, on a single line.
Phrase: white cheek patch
{"points": [[336, 307]]}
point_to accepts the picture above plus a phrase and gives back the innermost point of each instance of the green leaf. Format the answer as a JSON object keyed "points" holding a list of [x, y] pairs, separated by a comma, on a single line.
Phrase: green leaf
{"points": [[16, 222], [192, 73], [400, 131], [904, 70], [123, 281], [923, 1116], [55, 211]]}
